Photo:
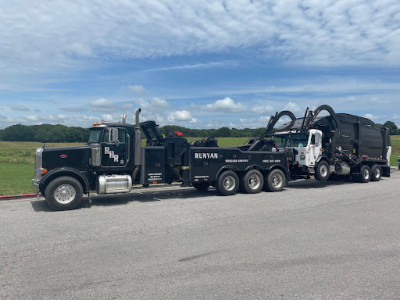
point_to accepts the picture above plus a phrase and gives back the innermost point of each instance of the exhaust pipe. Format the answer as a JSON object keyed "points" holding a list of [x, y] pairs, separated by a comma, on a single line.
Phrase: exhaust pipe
{"points": [[138, 140], [137, 158]]}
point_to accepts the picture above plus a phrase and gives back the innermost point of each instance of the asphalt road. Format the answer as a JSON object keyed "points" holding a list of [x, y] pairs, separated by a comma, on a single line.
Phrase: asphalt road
{"points": [[340, 240]]}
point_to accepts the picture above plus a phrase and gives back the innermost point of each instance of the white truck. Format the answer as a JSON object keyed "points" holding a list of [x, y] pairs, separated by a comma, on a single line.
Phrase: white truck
{"points": [[335, 145]]}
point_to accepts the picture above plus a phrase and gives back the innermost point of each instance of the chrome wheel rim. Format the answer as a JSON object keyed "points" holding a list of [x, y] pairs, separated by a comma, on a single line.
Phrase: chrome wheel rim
{"points": [[65, 194], [377, 173], [324, 171], [366, 174], [229, 183], [277, 181], [254, 182]]}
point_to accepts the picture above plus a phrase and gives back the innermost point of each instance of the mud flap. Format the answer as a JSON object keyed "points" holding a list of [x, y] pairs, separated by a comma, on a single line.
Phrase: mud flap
{"points": [[385, 171]]}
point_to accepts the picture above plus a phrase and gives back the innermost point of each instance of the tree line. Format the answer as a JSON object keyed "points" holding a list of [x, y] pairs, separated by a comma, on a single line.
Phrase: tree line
{"points": [[46, 133]]}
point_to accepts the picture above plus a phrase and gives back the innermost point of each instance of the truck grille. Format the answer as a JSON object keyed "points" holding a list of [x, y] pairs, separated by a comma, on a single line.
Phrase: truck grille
{"points": [[38, 163]]}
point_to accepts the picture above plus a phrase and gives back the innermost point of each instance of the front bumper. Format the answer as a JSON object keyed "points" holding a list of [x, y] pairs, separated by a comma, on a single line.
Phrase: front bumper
{"points": [[38, 169], [35, 186]]}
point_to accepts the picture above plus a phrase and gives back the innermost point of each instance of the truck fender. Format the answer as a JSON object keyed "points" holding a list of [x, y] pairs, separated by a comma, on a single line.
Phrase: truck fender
{"points": [[323, 158], [256, 167], [225, 168], [82, 177], [285, 171], [331, 166]]}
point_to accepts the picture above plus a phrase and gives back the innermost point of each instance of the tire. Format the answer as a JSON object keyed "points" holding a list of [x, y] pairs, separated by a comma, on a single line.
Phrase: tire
{"points": [[376, 173], [252, 182], [322, 171], [275, 181], [228, 183], [201, 186], [64, 193], [365, 174]]}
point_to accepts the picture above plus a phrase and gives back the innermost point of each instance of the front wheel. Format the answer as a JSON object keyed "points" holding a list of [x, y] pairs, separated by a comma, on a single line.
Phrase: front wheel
{"points": [[64, 193], [227, 183], [275, 181], [322, 171]]}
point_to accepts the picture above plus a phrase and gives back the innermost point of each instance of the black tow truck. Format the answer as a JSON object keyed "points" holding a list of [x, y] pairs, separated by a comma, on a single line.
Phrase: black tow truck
{"points": [[114, 160]]}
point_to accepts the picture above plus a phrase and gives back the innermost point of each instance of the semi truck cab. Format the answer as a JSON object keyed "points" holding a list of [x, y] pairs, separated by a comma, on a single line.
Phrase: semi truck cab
{"points": [[307, 146]]}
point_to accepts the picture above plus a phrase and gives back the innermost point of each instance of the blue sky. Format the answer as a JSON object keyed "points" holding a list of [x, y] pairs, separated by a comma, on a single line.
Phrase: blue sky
{"points": [[199, 64]]}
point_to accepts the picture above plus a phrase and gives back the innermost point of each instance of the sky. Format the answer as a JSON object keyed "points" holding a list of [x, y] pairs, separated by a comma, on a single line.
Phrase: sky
{"points": [[197, 63]]}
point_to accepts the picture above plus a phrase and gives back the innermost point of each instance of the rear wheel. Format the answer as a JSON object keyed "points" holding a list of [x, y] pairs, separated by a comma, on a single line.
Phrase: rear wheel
{"points": [[64, 193], [376, 173], [365, 174], [201, 186], [275, 181], [252, 182], [228, 183], [322, 171]]}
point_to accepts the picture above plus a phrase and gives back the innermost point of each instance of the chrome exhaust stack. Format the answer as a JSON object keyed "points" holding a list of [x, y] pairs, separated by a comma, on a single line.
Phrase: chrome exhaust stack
{"points": [[137, 158]]}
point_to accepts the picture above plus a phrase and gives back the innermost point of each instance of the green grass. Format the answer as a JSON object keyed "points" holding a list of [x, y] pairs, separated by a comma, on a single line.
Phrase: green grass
{"points": [[15, 178], [395, 150], [224, 141], [17, 161]]}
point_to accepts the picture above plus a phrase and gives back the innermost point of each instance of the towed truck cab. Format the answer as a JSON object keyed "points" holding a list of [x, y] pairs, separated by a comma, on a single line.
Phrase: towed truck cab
{"points": [[307, 146]]}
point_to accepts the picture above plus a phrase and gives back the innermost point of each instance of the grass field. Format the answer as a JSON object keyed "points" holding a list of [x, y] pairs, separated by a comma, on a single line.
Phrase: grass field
{"points": [[17, 162], [395, 150]]}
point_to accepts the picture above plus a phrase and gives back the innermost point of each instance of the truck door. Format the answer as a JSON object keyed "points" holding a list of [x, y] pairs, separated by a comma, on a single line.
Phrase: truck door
{"points": [[115, 147], [315, 146]]}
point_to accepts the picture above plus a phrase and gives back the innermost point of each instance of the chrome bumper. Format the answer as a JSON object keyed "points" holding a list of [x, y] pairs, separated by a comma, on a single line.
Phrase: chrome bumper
{"points": [[38, 169], [35, 186]]}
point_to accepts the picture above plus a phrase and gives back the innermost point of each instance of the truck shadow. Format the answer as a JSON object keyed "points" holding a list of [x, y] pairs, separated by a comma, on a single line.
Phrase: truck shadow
{"points": [[315, 184], [153, 195], [156, 194], [142, 195]]}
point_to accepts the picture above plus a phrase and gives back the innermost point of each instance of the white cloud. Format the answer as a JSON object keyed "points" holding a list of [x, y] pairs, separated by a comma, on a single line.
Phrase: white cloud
{"points": [[108, 118], [139, 89], [41, 118], [263, 109], [369, 116], [152, 104], [342, 32], [32, 118], [216, 64], [293, 107], [102, 105], [254, 122], [19, 107], [181, 116], [225, 105]]}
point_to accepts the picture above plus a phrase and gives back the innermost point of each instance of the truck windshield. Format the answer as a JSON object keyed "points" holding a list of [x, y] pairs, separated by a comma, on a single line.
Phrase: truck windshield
{"points": [[95, 135], [291, 140]]}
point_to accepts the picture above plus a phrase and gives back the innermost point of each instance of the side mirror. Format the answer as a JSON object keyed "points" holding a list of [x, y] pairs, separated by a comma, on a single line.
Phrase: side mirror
{"points": [[114, 135]]}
